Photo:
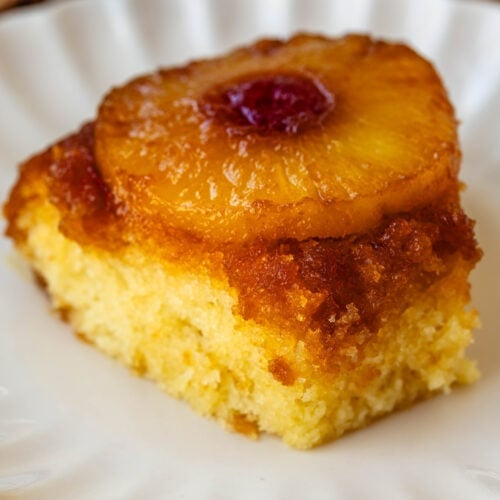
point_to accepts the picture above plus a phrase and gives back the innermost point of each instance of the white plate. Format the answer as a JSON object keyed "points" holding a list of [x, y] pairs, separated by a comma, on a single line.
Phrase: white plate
{"points": [[74, 424]]}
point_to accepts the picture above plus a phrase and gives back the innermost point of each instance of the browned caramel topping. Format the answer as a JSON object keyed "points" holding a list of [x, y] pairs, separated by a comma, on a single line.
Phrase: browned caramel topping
{"points": [[75, 182], [347, 286], [281, 102], [281, 371], [78, 190]]}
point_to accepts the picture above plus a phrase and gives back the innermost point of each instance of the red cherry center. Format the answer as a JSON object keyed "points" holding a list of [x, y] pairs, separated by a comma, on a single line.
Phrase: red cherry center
{"points": [[285, 103]]}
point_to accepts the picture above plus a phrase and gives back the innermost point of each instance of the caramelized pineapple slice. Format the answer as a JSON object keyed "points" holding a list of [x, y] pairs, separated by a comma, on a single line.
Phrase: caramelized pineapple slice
{"points": [[311, 137]]}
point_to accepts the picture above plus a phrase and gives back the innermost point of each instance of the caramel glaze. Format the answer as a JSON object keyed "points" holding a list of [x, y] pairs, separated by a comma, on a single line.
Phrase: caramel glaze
{"points": [[339, 292], [89, 213], [332, 293], [77, 189]]}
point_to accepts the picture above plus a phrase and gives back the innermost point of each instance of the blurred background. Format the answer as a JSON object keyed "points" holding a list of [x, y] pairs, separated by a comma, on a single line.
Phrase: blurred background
{"points": [[11, 4], [7, 4]]}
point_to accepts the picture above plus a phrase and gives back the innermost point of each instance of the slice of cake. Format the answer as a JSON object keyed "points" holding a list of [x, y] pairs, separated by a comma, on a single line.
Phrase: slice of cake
{"points": [[274, 236]]}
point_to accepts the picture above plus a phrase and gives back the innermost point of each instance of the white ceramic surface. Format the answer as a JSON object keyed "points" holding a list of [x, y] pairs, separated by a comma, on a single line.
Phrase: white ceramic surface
{"points": [[74, 424]]}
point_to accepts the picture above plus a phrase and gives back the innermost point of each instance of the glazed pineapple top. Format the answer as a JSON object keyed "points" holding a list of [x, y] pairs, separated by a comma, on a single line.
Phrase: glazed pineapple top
{"points": [[311, 137]]}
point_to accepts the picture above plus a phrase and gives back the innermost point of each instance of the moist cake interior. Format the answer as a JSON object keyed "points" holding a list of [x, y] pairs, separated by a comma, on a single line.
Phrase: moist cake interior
{"points": [[305, 330]]}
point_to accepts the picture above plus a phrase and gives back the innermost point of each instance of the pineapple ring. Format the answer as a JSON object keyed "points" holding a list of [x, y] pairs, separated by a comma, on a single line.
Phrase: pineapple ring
{"points": [[381, 139]]}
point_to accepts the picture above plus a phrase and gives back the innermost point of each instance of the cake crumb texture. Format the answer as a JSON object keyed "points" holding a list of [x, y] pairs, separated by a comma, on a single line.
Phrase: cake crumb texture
{"points": [[179, 329]]}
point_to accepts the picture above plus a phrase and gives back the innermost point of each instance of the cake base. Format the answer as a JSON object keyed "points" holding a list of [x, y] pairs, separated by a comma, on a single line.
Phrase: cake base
{"points": [[182, 328]]}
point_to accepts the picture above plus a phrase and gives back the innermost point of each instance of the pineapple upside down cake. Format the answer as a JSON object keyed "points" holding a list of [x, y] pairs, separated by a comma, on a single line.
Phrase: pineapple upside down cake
{"points": [[274, 235]]}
